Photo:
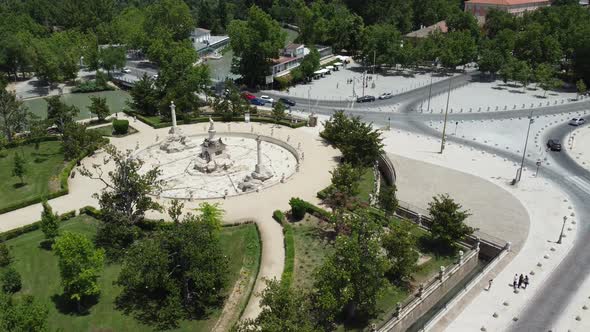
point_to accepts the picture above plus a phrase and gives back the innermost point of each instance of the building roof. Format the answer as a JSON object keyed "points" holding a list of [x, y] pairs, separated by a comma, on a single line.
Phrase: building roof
{"points": [[293, 46], [283, 59], [198, 32], [426, 31], [506, 2]]}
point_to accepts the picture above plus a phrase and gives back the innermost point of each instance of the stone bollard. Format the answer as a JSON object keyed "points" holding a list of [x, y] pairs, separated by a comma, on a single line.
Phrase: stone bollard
{"points": [[398, 309], [508, 246], [479, 109], [302, 156], [488, 109], [523, 105], [157, 138], [297, 167], [505, 107], [283, 178], [461, 111], [470, 110], [251, 129], [272, 131], [461, 253], [514, 107], [451, 110], [419, 219], [421, 290], [225, 193], [441, 273], [496, 108], [288, 138], [137, 145]]}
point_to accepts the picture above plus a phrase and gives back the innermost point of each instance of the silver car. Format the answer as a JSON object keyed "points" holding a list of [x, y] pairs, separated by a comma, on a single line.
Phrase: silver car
{"points": [[577, 121], [385, 95]]}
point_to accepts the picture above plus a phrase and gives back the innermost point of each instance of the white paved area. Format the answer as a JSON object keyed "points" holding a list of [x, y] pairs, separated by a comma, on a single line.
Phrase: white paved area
{"points": [[496, 96], [578, 145], [33, 88]]}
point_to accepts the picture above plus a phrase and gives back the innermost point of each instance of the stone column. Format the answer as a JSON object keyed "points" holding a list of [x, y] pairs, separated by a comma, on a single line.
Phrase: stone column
{"points": [[173, 110], [258, 155]]}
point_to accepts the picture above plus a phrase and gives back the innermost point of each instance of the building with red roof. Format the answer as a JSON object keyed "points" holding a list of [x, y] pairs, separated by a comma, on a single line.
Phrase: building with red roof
{"points": [[480, 8]]}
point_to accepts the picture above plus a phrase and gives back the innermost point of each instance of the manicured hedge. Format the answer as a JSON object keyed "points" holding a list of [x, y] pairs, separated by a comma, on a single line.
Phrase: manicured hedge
{"points": [[91, 211], [5, 236], [287, 276], [31, 141], [298, 208], [279, 216], [120, 127]]}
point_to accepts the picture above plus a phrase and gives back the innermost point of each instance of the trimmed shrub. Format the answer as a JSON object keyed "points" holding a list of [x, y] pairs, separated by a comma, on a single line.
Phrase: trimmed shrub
{"points": [[11, 281], [91, 211], [120, 127], [298, 208], [287, 276], [5, 257], [279, 216]]}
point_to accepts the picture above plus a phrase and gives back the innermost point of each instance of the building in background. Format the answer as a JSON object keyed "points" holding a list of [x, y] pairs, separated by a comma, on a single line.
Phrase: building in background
{"points": [[206, 44], [479, 8]]}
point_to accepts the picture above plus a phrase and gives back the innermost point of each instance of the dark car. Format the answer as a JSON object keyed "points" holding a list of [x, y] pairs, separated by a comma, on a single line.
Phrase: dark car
{"points": [[554, 145], [257, 101], [365, 99], [287, 101]]}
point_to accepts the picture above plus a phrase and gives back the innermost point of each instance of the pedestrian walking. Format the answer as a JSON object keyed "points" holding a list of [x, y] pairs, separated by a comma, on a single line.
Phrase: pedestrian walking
{"points": [[490, 283], [515, 282], [337, 85], [520, 280], [526, 281]]}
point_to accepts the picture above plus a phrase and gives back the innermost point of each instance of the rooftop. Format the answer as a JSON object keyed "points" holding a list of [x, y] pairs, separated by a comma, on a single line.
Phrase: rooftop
{"points": [[198, 32], [293, 46], [426, 31]]}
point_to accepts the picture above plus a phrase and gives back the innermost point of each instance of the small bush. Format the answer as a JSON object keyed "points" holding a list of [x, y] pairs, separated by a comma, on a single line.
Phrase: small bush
{"points": [[279, 216], [120, 127], [298, 208], [91, 211], [11, 281], [5, 257]]}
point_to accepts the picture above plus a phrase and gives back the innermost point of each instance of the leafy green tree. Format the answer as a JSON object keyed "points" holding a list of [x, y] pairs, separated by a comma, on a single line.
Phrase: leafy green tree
{"points": [[401, 243], [112, 58], [282, 310], [310, 64], [255, 43], [278, 112], [24, 314], [180, 272], [60, 114], [76, 140], [382, 43], [175, 210], [11, 281], [5, 256], [19, 167], [49, 222], [458, 48], [388, 200], [448, 222], [144, 97], [581, 87], [545, 77], [13, 114], [80, 265], [99, 107], [211, 214], [168, 19], [522, 73], [351, 279]]}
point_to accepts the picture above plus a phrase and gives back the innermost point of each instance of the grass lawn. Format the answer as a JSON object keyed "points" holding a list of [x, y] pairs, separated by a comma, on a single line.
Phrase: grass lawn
{"points": [[40, 273], [366, 184], [115, 99], [108, 131], [43, 167], [312, 245]]}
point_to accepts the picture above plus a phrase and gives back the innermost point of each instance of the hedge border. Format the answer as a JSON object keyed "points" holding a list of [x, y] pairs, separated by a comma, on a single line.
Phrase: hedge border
{"points": [[217, 118], [63, 175], [11, 234], [251, 290]]}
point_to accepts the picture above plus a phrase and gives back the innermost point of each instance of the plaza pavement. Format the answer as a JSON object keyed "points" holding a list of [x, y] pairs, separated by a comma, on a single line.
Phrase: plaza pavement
{"points": [[319, 159], [578, 145]]}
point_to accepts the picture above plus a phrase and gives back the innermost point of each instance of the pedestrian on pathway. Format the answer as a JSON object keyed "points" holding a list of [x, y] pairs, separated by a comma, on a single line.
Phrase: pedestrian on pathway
{"points": [[526, 281], [520, 280], [515, 282], [490, 284], [337, 85]]}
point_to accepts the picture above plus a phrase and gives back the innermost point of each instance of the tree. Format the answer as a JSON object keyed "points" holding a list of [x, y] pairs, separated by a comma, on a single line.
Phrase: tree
{"points": [[278, 112], [19, 167], [60, 114], [581, 87], [545, 77], [175, 210], [344, 187], [79, 265], [382, 43], [255, 43], [26, 314], [387, 199], [49, 222], [351, 279], [13, 114], [76, 140], [180, 272], [5, 256], [522, 73], [112, 58], [11, 281], [144, 97], [457, 48], [99, 107], [448, 222], [282, 310], [400, 243]]}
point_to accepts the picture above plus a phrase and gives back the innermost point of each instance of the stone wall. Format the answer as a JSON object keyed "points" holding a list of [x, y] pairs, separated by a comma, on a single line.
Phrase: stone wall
{"points": [[386, 168]]}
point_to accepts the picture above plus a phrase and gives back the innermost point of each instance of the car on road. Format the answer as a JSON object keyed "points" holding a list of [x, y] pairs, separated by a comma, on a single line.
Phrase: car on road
{"points": [[257, 101], [248, 95], [386, 95], [577, 121], [155, 76], [267, 99], [126, 70], [287, 101], [365, 99], [554, 145]]}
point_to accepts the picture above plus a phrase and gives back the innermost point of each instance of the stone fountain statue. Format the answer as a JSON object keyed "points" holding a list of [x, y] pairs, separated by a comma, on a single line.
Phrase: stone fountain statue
{"points": [[213, 156], [261, 172], [176, 141]]}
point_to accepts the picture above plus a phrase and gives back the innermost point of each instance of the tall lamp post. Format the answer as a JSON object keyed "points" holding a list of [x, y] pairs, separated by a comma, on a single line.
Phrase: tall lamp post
{"points": [[526, 141], [309, 99], [562, 228], [442, 142]]}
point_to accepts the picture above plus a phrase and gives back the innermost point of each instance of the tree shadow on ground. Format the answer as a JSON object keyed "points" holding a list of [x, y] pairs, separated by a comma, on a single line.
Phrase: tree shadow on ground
{"points": [[46, 245], [516, 91], [428, 245], [68, 307], [19, 185]]}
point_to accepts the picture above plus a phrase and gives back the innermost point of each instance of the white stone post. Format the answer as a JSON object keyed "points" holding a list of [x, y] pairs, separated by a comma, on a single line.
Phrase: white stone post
{"points": [[258, 155], [173, 110]]}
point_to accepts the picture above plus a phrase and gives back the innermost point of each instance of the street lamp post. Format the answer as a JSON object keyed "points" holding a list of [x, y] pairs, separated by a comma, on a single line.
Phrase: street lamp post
{"points": [[429, 94], [309, 99], [526, 141], [442, 142], [389, 123], [562, 228], [456, 126], [538, 165]]}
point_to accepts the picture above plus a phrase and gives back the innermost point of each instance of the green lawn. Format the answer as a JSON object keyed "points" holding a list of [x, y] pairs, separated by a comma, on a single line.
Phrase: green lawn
{"points": [[108, 131], [366, 184], [40, 274], [115, 99], [43, 167]]}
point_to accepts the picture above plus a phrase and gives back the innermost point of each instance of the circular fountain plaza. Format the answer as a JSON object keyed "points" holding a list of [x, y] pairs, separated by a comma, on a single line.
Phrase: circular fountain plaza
{"points": [[216, 165]]}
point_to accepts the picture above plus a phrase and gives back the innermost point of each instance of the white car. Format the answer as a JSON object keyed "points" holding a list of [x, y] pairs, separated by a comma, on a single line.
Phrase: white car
{"points": [[155, 77], [267, 99], [126, 70], [386, 95], [577, 121]]}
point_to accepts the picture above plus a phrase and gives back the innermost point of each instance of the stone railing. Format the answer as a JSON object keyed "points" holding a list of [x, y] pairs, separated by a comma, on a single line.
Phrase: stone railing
{"points": [[386, 168]]}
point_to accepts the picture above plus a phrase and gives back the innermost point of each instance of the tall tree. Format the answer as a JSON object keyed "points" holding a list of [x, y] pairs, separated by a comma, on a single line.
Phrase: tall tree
{"points": [[60, 114], [80, 265], [24, 314], [255, 43], [19, 167], [13, 114], [278, 112], [448, 222], [98, 105], [387, 199], [144, 97], [49, 222], [400, 243]]}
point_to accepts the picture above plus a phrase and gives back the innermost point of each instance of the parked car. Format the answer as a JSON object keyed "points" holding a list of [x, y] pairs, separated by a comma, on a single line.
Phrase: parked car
{"points": [[287, 101], [365, 99], [267, 99], [126, 70], [248, 95], [554, 145], [386, 95], [577, 121], [257, 101]]}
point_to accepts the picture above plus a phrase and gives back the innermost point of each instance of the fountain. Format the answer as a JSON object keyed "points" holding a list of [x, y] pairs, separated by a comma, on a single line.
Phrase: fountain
{"points": [[176, 141], [213, 156]]}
